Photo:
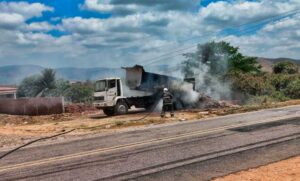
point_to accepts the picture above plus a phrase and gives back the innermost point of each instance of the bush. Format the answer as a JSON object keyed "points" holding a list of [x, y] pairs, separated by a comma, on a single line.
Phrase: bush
{"points": [[285, 67], [279, 96], [281, 81], [60, 88], [251, 84], [293, 89], [276, 87], [79, 94]]}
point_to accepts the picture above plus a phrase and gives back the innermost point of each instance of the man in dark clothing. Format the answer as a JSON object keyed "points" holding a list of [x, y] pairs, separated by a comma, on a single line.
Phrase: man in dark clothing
{"points": [[167, 103]]}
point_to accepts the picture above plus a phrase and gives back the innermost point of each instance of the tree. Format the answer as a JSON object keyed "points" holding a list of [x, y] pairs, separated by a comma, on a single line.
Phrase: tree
{"points": [[28, 87], [61, 86], [220, 58], [37, 85], [285, 67], [46, 80]]}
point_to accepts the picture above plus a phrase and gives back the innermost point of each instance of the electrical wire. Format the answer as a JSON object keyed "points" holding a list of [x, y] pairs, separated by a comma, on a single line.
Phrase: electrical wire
{"points": [[254, 23], [241, 32], [273, 18], [193, 46]]}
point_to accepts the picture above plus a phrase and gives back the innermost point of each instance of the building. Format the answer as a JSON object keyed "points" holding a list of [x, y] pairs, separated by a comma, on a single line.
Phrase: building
{"points": [[8, 92]]}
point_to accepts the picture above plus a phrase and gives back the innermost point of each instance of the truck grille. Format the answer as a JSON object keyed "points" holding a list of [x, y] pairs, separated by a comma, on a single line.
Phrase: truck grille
{"points": [[101, 98]]}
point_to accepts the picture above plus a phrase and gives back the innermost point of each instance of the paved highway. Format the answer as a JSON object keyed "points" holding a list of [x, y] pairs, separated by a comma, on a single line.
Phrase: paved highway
{"points": [[198, 150]]}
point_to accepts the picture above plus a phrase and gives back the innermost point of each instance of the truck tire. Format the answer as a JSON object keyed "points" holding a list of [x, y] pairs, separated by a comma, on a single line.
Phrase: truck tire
{"points": [[109, 111], [121, 108]]}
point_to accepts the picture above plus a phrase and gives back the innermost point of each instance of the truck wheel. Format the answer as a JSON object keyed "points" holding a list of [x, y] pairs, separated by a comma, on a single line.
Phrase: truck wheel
{"points": [[109, 112], [121, 108]]}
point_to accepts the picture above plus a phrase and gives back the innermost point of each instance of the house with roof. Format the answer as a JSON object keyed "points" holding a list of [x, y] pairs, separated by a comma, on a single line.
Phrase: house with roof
{"points": [[8, 92]]}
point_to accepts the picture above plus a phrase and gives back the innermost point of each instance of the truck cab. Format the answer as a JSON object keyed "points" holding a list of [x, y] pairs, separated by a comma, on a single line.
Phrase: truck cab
{"points": [[107, 96]]}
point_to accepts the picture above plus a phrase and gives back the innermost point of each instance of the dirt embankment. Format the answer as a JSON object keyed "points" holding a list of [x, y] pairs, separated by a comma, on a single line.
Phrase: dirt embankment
{"points": [[15, 130], [287, 170]]}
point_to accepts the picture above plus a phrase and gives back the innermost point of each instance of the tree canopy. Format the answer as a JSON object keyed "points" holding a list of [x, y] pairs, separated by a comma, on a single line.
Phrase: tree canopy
{"points": [[220, 59], [285, 67], [46, 85], [36, 85]]}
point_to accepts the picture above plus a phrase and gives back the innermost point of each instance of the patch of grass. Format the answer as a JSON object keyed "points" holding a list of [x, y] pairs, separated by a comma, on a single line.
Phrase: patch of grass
{"points": [[119, 123]]}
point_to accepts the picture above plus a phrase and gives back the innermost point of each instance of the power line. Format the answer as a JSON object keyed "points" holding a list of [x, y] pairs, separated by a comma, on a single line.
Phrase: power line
{"points": [[256, 25], [282, 15], [245, 31]]}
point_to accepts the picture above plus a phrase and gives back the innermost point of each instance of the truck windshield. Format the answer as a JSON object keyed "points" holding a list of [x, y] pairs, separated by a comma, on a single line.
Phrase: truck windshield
{"points": [[100, 86]]}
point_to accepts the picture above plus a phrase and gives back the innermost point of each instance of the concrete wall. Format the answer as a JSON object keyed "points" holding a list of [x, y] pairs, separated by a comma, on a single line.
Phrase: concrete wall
{"points": [[32, 106]]}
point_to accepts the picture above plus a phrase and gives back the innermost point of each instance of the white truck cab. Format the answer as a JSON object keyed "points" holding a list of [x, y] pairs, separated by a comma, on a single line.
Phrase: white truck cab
{"points": [[107, 96]]}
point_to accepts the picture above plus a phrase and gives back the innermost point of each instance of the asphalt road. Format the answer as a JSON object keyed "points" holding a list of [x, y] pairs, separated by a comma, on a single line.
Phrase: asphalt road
{"points": [[198, 150]]}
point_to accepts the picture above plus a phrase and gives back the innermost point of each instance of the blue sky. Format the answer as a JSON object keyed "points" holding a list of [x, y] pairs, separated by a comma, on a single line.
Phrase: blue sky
{"points": [[113, 33], [65, 9]]}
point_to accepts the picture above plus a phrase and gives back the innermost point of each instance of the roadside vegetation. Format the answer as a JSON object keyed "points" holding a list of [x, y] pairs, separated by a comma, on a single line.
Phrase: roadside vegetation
{"points": [[243, 75], [219, 68], [47, 85]]}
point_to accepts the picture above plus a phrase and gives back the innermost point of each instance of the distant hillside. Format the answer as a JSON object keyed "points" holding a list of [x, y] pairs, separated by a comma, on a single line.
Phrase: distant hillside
{"points": [[12, 75], [82, 74], [267, 63]]}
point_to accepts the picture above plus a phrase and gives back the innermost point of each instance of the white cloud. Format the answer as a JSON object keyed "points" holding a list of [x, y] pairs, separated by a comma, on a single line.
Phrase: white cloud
{"points": [[14, 14], [106, 7], [126, 7], [237, 12], [10, 21], [40, 26], [25, 9], [82, 26], [277, 39]]}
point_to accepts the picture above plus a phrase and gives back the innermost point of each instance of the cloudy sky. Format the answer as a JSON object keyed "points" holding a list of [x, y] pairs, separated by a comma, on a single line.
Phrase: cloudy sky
{"points": [[114, 33]]}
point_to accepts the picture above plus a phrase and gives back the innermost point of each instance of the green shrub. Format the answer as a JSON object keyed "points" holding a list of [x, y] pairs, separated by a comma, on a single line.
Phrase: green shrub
{"points": [[251, 84], [285, 67], [275, 87], [79, 94], [281, 81], [293, 89], [279, 96], [254, 100]]}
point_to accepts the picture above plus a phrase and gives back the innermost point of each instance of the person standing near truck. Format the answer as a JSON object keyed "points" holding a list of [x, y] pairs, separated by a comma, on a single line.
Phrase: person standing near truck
{"points": [[167, 103]]}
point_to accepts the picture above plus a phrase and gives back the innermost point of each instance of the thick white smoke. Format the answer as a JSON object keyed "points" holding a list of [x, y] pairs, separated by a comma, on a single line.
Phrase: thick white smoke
{"points": [[208, 66], [209, 84]]}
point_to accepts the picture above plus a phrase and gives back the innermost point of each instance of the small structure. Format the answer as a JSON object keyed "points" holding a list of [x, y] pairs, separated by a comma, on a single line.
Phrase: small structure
{"points": [[8, 92]]}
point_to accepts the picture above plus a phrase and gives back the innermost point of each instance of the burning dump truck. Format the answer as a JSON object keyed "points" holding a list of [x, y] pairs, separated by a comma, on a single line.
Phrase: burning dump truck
{"points": [[140, 89]]}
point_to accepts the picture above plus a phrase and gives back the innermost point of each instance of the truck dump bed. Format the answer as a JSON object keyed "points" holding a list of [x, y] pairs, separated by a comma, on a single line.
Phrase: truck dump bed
{"points": [[139, 80], [143, 88]]}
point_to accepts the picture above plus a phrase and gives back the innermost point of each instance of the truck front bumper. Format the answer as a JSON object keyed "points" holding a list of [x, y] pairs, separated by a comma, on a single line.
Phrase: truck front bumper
{"points": [[101, 105]]}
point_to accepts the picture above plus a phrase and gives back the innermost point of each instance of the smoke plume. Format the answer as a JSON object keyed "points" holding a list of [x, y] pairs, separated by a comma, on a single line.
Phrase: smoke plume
{"points": [[208, 65]]}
